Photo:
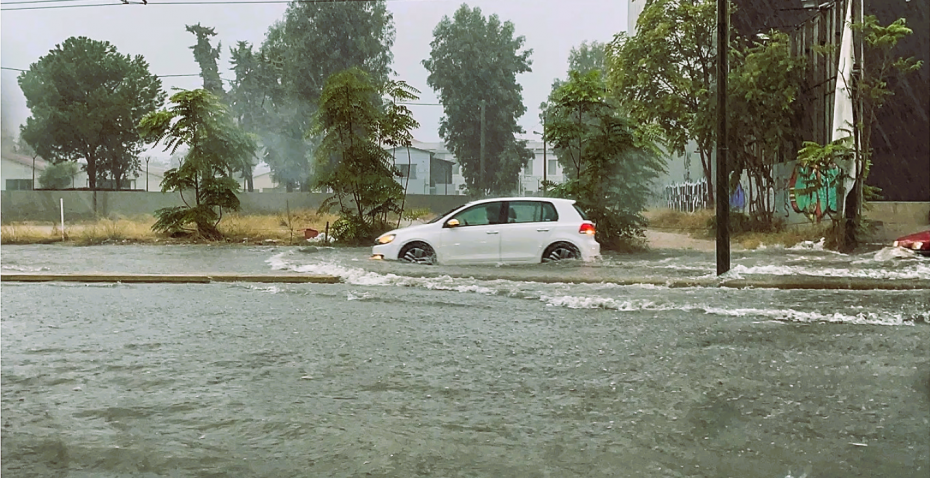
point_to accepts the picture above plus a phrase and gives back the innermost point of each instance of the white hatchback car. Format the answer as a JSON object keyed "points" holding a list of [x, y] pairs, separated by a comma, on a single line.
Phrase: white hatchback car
{"points": [[496, 230]]}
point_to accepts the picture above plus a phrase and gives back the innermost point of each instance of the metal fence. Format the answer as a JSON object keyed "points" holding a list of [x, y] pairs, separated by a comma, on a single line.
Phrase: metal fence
{"points": [[688, 196]]}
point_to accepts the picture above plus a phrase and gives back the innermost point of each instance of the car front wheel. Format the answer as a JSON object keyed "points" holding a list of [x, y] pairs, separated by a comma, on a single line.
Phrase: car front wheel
{"points": [[418, 253], [561, 251]]}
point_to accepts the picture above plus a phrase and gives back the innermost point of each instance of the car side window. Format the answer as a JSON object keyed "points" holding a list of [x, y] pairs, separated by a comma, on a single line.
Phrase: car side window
{"points": [[480, 215], [549, 214], [531, 211]]}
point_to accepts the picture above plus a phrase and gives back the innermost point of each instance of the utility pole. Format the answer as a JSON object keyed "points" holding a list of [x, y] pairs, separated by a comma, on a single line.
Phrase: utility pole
{"points": [[722, 193], [542, 186], [481, 163], [147, 158]]}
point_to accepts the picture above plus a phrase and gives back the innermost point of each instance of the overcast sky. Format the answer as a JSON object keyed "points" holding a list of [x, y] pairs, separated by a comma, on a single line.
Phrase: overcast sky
{"points": [[158, 33]]}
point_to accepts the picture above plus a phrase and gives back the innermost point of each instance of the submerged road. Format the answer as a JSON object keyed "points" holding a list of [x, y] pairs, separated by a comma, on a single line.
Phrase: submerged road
{"points": [[400, 371]]}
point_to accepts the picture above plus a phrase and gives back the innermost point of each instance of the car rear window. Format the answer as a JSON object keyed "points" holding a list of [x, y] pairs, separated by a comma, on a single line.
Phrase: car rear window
{"points": [[581, 212], [531, 211]]}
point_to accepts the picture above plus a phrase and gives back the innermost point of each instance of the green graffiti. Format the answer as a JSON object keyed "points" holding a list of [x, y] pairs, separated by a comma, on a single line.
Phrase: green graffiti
{"points": [[814, 192]]}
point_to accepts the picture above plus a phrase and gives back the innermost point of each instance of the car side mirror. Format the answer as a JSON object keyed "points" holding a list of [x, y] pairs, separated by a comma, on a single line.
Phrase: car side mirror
{"points": [[452, 223]]}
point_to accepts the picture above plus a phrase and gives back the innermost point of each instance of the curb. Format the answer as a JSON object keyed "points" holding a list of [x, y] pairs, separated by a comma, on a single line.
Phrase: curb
{"points": [[171, 278]]}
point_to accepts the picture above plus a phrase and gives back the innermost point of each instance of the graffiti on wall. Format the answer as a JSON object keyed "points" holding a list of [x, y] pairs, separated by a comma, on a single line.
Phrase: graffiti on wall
{"points": [[688, 196], [814, 192]]}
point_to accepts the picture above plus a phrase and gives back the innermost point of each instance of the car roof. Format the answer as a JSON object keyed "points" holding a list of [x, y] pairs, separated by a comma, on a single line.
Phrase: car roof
{"points": [[531, 198]]}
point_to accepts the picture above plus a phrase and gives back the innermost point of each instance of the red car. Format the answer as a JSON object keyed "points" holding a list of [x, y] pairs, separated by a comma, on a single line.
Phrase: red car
{"points": [[918, 242]]}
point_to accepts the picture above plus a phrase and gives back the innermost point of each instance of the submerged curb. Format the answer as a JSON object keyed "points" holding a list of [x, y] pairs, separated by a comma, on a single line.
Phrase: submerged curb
{"points": [[171, 278]]}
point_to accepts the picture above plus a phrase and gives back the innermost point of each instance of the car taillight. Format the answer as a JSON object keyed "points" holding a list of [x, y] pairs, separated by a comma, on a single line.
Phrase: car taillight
{"points": [[586, 228]]}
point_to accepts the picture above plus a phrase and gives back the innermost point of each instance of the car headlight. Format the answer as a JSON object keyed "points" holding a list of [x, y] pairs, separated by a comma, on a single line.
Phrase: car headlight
{"points": [[895, 244], [386, 238], [917, 245]]}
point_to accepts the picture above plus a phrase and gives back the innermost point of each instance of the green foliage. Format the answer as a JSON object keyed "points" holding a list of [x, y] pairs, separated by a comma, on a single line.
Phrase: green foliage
{"points": [[763, 114], [86, 100], [610, 163], [313, 41], [397, 123], [587, 56], [871, 89], [475, 59], [868, 91], [205, 56], [350, 161], [58, 176], [663, 74], [217, 147], [417, 213]]}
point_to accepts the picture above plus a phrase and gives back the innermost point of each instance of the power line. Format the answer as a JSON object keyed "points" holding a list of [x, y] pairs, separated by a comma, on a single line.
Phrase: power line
{"points": [[195, 2]]}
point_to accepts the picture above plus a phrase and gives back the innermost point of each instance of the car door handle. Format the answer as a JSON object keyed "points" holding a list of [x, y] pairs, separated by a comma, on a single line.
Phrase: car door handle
{"points": [[492, 232], [542, 230]]}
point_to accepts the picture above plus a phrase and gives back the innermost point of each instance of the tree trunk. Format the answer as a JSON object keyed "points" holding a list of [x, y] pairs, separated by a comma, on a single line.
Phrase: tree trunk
{"points": [[708, 177], [91, 172]]}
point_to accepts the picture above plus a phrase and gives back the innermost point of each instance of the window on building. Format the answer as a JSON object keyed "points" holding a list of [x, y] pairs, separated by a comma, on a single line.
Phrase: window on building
{"points": [[407, 168], [528, 168], [19, 185], [553, 166]]}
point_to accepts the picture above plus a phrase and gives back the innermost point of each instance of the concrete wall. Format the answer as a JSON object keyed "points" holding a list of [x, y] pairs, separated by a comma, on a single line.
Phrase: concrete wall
{"points": [[79, 205], [896, 219]]}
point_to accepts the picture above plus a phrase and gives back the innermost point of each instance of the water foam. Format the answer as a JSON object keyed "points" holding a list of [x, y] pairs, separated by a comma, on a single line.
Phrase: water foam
{"points": [[361, 277], [914, 271]]}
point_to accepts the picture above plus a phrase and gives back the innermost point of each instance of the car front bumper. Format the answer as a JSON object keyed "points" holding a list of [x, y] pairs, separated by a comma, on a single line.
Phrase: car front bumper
{"points": [[387, 251]]}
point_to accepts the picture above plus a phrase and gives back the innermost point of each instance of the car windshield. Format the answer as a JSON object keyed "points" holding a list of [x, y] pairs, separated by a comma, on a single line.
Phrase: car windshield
{"points": [[450, 211]]}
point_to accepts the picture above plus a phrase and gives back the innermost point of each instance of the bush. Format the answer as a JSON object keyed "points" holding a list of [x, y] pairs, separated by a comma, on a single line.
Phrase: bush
{"points": [[58, 176]]}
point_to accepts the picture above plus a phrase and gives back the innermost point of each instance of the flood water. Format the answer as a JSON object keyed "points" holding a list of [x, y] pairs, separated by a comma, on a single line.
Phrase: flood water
{"points": [[491, 371]]}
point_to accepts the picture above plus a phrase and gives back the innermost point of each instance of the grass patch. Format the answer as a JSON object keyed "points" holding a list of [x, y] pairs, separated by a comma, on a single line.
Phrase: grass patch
{"points": [[281, 227], [113, 230], [277, 228], [701, 225], [28, 234], [695, 223]]}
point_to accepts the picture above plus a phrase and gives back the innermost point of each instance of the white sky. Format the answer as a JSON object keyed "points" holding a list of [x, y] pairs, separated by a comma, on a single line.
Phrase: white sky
{"points": [[158, 33]]}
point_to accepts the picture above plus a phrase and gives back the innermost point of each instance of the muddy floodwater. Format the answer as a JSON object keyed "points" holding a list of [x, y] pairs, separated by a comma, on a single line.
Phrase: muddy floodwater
{"points": [[492, 371]]}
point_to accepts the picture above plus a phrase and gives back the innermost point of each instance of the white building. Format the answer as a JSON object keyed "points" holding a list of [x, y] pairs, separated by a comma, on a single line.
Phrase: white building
{"points": [[423, 171], [543, 165], [21, 172]]}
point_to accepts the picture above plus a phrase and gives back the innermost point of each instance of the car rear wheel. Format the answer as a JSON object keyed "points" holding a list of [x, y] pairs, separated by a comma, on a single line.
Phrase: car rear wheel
{"points": [[561, 251], [418, 253]]}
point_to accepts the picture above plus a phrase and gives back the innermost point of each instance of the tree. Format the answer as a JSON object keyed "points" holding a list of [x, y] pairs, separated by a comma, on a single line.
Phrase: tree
{"points": [[474, 61], [58, 176], [86, 100], [217, 148], [587, 56], [247, 97], [205, 56], [664, 73], [582, 60], [870, 90], [612, 162], [397, 122], [763, 86], [312, 42], [350, 159]]}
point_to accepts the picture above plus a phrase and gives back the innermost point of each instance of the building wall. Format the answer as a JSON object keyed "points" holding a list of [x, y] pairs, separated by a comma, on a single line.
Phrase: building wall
{"points": [[14, 170], [418, 159]]}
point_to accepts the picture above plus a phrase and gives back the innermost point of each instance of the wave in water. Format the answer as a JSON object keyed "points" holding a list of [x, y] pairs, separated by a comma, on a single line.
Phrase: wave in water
{"points": [[548, 294]]}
